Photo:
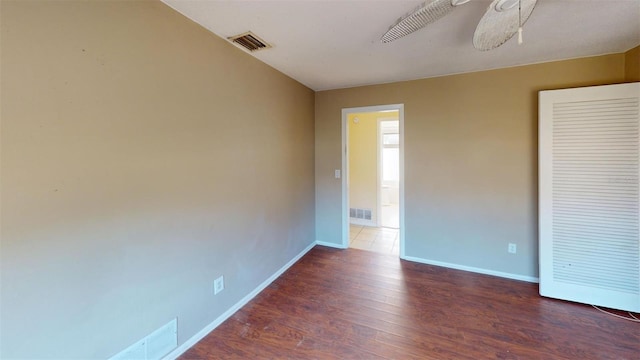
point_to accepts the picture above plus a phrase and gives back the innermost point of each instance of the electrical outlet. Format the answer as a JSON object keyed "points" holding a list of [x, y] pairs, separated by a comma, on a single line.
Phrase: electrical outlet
{"points": [[218, 285], [512, 248]]}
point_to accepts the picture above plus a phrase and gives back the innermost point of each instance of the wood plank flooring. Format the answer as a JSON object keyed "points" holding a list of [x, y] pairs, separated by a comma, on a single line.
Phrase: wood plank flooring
{"points": [[354, 304]]}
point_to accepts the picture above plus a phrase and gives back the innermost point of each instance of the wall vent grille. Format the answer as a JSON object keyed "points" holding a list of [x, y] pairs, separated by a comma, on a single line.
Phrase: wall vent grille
{"points": [[365, 214], [249, 41], [153, 346]]}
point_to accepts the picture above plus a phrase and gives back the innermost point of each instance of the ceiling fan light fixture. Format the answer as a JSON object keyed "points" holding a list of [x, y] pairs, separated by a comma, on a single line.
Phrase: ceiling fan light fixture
{"points": [[423, 15], [500, 22], [505, 5], [497, 27]]}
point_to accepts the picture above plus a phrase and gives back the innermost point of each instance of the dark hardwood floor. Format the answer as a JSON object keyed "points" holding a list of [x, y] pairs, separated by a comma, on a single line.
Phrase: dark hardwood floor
{"points": [[354, 304]]}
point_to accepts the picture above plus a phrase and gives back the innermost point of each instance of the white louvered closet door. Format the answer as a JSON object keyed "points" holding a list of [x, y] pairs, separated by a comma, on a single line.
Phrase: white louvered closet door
{"points": [[589, 205]]}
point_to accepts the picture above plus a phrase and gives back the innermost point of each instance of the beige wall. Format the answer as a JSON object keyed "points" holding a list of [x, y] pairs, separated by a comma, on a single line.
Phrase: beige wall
{"points": [[632, 64], [470, 159], [142, 157], [363, 162]]}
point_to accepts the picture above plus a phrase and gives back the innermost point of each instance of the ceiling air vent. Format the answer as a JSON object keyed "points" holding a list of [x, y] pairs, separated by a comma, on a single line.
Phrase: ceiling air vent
{"points": [[249, 41]]}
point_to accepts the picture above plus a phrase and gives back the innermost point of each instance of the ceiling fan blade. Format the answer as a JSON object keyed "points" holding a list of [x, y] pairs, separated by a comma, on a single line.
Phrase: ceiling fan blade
{"points": [[501, 22], [423, 15]]}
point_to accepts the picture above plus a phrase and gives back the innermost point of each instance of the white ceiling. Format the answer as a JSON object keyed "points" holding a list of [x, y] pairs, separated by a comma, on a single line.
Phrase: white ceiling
{"points": [[329, 44]]}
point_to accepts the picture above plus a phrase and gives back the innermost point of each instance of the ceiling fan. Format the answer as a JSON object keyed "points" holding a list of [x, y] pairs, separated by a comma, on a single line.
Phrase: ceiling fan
{"points": [[502, 20]]}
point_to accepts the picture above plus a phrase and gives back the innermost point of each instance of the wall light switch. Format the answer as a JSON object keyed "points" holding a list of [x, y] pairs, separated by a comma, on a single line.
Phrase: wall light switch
{"points": [[218, 285], [337, 174]]}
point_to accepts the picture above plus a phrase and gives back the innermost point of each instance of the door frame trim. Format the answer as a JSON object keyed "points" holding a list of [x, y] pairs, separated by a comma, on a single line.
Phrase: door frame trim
{"points": [[345, 170]]}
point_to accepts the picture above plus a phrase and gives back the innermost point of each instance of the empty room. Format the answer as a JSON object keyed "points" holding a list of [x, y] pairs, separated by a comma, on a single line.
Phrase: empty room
{"points": [[310, 179]]}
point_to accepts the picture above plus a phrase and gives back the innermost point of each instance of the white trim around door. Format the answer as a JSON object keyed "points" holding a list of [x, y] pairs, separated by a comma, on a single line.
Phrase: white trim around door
{"points": [[345, 169]]}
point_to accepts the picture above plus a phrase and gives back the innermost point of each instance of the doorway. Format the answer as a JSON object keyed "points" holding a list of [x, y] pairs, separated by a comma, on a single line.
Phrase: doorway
{"points": [[373, 178]]}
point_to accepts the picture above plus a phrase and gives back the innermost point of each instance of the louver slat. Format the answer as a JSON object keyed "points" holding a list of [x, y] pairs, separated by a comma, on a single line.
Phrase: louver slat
{"points": [[606, 120]]}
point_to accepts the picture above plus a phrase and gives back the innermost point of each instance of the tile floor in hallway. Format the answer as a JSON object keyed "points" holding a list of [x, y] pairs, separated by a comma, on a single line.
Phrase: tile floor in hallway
{"points": [[381, 240]]}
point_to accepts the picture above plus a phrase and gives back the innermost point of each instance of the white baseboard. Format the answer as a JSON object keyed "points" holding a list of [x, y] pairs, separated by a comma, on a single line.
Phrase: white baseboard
{"points": [[530, 279], [371, 223], [202, 333], [333, 245]]}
